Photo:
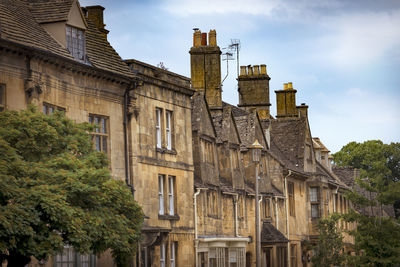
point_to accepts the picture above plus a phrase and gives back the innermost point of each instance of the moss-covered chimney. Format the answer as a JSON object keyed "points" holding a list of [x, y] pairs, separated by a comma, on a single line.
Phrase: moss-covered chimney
{"points": [[95, 14], [286, 101], [205, 62], [254, 89]]}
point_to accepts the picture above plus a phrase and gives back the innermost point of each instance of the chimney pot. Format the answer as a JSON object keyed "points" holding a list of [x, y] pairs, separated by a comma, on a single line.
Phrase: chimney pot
{"points": [[249, 70], [290, 85], [204, 39], [243, 71], [256, 70], [212, 38], [197, 38], [263, 69], [285, 86]]}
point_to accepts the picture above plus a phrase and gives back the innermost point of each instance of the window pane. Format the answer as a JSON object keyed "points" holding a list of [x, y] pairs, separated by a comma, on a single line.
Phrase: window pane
{"points": [[104, 148], [313, 194], [161, 194], [97, 140], [103, 125], [315, 211]]}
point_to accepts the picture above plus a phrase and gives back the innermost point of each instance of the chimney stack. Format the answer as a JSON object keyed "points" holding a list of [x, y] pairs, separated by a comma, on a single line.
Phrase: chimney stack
{"points": [[254, 89], [205, 63], [95, 14], [286, 101]]}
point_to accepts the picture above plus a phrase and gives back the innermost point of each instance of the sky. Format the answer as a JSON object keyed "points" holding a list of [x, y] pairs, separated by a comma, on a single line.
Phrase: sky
{"points": [[343, 57]]}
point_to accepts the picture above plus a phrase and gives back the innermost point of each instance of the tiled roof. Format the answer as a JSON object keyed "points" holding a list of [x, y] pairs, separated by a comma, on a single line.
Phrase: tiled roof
{"points": [[19, 25], [288, 135], [346, 174], [50, 11], [271, 235], [101, 54]]}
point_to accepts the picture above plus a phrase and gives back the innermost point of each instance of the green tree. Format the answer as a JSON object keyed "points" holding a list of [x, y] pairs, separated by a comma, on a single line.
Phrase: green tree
{"points": [[328, 251], [55, 190], [377, 238]]}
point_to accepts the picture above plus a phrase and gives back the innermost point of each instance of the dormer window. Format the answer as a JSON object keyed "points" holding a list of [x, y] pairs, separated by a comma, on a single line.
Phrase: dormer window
{"points": [[76, 42]]}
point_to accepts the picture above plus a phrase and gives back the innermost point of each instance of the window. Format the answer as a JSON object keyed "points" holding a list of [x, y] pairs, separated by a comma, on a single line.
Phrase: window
{"points": [[158, 127], [100, 134], [281, 256], [172, 256], [2, 97], [161, 179], [171, 202], [162, 255], [166, 195], [293, 256], [208, 152], [70, 258], [50, 109], [266, 207], [291, 199], [168, 130], [314, 200], [164, 132], [76, 42], [211, 201]]}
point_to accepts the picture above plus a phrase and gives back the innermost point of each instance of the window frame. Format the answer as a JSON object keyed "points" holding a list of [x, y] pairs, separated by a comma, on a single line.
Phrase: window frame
{"points": [[75, 260], [3, 97], [315, 202], [49, 109], [98, 132], [159, 127], [171, 195], [162, 255], [172, 254], [161, 202], [168, 128], [75, 45]]}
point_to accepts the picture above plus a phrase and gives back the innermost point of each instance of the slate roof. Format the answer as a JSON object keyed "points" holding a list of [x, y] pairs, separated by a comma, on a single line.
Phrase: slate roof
{"points": [[271, 235], [19, 24], [50, 11], [346, 174], [288, 136]]}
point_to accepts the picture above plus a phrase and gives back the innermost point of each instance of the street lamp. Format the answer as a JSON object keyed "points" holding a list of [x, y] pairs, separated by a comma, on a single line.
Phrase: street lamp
{"points": [[256, 148]]}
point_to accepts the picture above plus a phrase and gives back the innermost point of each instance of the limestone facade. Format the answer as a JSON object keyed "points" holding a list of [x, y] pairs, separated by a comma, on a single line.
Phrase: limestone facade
{"points": [[296, 184], [58, 58]]}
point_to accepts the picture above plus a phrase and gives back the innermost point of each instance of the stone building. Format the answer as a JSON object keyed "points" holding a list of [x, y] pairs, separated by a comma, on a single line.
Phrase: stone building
{"points": [[55, 54], [183, 151], [296, 185]]}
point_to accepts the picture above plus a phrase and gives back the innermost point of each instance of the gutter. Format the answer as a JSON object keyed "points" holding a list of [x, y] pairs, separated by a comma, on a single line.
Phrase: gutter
{"points": [[235, 202], [287, 216], [195, 221], [132, 86]]}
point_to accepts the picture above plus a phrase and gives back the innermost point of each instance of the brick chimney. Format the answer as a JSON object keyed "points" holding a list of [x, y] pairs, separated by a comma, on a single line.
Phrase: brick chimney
{"points": [[254, 89], [95, 14], [205, 63], [286, 101]]}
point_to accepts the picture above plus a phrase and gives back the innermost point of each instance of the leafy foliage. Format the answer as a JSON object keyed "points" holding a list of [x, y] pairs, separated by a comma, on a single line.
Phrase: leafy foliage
{"points": [[56, 190], [329, 247], [377, 239]]}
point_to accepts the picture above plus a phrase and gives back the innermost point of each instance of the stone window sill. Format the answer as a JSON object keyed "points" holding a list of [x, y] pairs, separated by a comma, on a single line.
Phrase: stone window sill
{"points": [[169, 217], [166, 151]]}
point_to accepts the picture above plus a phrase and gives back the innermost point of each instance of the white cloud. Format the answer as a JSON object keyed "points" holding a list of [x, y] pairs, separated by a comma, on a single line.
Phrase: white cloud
{"points": [[354, 40]]}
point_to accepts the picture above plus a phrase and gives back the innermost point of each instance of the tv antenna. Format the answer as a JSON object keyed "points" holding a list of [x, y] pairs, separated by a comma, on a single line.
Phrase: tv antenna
{"points": [[226, 57], [235, 47]]}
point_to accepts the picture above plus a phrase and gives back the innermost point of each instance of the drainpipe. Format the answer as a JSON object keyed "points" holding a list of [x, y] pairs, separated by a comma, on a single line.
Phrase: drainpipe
{"points": [[276, 213], [334, 200], [195, 220], [235, 202], [131, 87], [287, 217]]}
